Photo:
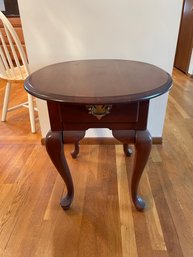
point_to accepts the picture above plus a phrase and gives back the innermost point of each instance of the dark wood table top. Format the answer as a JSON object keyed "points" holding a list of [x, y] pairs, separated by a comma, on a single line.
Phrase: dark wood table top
{"points": [[98, 82]]}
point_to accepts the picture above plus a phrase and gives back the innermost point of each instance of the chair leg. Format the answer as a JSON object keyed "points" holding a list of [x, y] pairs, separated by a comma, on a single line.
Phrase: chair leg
{"points": [[31, 113], [6, 101]]}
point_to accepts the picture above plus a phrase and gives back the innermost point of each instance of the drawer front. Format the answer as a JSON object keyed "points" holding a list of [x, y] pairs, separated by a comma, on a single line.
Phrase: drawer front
{"points": [[78, 117], [116, 113]]}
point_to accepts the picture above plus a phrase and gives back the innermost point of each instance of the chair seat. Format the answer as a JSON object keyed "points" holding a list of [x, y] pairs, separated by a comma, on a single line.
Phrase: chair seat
{"points": [[18, 75]]}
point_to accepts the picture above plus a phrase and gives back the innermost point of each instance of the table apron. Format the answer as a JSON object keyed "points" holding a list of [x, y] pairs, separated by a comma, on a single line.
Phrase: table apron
{"points": [[127, 116]]}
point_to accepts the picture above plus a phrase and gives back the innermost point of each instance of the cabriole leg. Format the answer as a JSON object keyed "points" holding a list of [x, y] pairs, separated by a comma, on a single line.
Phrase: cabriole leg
{"points": [[143, 144], [75, 153], [127, 150], [142, 141], [55, 149]]}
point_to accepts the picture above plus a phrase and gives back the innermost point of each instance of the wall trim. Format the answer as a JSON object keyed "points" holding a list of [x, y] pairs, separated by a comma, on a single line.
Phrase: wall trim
{"points": [[107, 141]]}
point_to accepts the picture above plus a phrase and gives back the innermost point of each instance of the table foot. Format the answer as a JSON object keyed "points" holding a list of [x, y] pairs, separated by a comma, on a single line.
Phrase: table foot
{"points": [[66, 202], [127, 150], [75, 153], [55, 149], [143, 144], [139, 203]]}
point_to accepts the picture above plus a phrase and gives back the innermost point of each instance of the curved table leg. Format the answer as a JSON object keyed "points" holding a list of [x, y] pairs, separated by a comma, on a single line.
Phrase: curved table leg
{"points": [[127, 150], [55, 149], [73, 137], [142, 141], [75, 153], [143, 144]]}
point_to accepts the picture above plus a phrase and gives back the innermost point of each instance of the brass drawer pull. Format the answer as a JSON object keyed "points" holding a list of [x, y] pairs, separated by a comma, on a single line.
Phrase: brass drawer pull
{"points": [[99, 111]]}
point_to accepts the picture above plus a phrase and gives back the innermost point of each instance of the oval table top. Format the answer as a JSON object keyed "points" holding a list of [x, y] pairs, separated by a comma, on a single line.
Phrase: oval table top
{"points": [[98, 82]]}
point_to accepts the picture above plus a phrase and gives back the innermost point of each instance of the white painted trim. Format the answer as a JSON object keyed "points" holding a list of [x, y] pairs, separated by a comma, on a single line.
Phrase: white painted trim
{"points": [[190, 70]]}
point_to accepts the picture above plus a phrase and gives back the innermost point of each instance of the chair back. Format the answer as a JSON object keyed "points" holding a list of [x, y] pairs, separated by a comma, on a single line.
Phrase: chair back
{"points": [[13, 61]]}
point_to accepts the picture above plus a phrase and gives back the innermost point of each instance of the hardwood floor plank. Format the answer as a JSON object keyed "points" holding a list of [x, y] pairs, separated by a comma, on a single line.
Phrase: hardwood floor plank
{"points": [[176, 105], [27, 219], [152, 218], [168, 226], [99, 236], [182, 225], [129, 246]]}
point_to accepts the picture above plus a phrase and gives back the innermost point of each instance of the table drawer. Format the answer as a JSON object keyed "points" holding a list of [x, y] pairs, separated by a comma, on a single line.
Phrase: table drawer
{"points": [[77, 117], [116, 113]]}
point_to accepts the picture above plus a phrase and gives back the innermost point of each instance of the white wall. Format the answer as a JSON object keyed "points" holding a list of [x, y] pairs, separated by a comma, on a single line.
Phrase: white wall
{"points": [[141, 30], [2, 5]]}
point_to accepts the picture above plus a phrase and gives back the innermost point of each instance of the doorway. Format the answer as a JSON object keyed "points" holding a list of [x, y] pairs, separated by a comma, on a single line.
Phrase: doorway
{"points": [[185, 38]]}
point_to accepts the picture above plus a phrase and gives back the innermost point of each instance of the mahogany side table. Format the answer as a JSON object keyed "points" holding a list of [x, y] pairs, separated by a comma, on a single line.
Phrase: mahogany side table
{"points": [[87, 94]]}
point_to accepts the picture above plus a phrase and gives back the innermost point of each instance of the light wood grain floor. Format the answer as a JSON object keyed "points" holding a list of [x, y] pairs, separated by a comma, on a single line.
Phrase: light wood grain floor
{"points": [[102, 221]]}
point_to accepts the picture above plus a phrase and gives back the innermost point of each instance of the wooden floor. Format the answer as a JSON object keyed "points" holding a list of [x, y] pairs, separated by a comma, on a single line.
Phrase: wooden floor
{"points": [[102, 221]]}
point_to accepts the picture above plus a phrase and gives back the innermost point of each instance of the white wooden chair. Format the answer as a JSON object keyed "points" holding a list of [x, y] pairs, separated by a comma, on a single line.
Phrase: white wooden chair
{"points": [[13, 68]]}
